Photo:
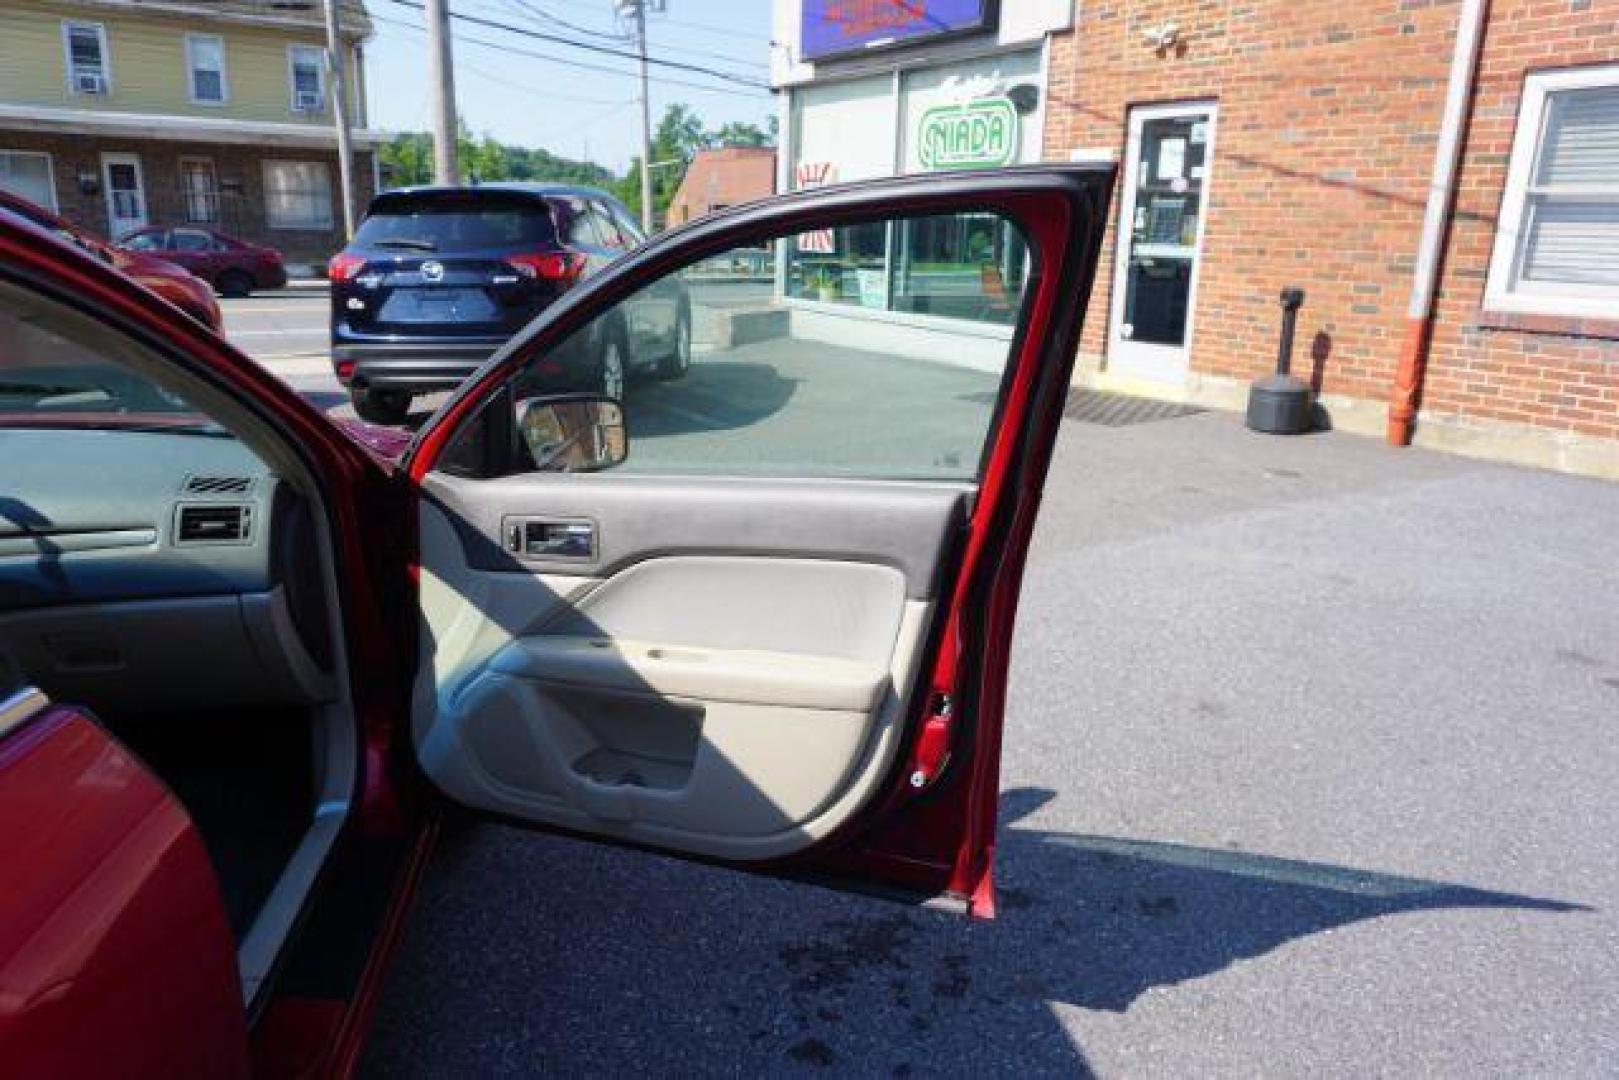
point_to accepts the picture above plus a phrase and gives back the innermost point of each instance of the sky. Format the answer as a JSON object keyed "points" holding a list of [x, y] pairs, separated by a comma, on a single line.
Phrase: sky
{"points": [[564, 108]]}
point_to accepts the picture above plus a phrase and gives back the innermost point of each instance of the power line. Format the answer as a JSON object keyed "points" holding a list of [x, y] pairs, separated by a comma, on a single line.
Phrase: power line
{"points": [[722, 31], [567, 61], [556, 39], [529, 8]]}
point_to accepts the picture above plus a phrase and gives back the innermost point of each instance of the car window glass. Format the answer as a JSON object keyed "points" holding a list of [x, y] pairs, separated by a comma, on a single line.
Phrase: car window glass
{"points": [[872, 351], [626, 226], [445, 225], [606, 228], [190, 240], [581, 228], [53, 378], [148, 241]]}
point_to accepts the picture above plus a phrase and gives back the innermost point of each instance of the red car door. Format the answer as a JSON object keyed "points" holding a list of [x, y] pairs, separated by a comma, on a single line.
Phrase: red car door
{"points": [[114, 945], [774, 633]]}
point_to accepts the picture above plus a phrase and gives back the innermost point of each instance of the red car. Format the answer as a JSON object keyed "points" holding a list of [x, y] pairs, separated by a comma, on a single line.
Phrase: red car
{"points": [[179, 287], [234, 267], [247, 664]]}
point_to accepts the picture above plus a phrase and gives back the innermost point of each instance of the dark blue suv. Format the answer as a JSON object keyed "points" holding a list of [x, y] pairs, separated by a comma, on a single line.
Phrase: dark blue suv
{"points": [[437, 279]]}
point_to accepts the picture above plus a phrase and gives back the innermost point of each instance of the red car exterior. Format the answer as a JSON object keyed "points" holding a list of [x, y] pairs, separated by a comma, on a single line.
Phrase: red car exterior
{"points": [[233, 267], [95, 902], [178, 286]]}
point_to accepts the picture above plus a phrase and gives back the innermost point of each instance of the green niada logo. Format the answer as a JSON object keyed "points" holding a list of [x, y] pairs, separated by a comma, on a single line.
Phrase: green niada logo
{"points": [[972, 135]]}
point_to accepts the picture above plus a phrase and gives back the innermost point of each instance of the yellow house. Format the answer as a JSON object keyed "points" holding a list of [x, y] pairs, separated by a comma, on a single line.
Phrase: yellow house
{"points": [[121, 114]]}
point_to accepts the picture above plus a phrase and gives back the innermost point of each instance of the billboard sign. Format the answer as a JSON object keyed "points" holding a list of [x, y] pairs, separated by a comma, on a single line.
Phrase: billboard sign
{"points": [[841, 27]]}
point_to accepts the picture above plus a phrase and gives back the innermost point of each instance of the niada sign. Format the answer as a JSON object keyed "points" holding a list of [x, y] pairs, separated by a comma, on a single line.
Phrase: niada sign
{"points": [[978, 134]]}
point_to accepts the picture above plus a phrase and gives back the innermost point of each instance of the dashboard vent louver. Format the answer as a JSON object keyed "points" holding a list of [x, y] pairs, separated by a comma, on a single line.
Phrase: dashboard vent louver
{"points": [[200, 524], [199, 484]]}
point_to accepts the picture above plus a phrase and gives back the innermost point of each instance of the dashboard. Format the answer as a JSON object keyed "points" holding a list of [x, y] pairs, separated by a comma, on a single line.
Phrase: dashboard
{"points": [[144, 570]]}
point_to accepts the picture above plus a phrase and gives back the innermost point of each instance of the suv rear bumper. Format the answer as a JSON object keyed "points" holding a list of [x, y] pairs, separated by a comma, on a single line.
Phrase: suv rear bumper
{"points": [[413, 367]]}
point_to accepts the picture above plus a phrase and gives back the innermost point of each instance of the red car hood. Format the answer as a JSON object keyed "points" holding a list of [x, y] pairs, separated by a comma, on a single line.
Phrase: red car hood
{"points": [[386, 442]]}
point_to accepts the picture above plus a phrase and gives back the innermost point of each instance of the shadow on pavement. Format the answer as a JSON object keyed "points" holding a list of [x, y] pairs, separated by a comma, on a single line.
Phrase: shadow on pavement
{"points": [[713, 396], [526, 951]]}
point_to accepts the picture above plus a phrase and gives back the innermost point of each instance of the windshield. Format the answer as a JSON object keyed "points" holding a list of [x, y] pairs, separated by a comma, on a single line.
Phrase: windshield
{"points": [[50, 381], [457, 223]]}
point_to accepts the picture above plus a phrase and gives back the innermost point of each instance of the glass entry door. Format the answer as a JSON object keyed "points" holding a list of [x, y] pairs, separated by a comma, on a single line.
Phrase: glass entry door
{"points": [[1161, 234]]}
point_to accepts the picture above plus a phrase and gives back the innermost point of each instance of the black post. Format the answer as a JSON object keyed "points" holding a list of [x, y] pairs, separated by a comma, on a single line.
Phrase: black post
{"points": [[1280, 404], [1292, 300]]}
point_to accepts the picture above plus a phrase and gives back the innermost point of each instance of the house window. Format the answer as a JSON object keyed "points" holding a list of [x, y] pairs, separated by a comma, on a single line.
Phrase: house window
{"points": [[28, 174], [308, 64], [205, 63], [86, 47], [298, 194], [1557, 241], [200, 185]]}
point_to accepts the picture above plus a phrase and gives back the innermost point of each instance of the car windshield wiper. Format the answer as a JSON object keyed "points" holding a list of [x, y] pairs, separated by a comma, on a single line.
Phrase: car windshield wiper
{"points": [[406, 242]]}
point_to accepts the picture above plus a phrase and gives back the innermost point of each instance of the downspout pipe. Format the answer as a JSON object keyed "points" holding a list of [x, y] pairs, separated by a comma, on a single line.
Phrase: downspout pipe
{"points": [[1413, 364]]}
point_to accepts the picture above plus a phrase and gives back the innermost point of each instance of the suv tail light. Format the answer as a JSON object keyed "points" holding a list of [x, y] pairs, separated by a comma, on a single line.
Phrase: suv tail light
{"points": [[344, 266], [563, 267]]}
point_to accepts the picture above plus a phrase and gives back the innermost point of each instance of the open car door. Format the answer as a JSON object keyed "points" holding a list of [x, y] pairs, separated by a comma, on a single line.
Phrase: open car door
{"points": [[761, 613]]}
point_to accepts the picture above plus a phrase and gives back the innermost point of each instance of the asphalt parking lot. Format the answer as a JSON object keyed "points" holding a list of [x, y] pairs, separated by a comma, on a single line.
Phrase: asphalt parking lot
{"points": [[1309, 768]]}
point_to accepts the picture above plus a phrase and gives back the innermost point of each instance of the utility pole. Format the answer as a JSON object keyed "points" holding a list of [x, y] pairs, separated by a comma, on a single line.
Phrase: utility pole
{"points": [[340, 115], [646, 119], [446, 170]]}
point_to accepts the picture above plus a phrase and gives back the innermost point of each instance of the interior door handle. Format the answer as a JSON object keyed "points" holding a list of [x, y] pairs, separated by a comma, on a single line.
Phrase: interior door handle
{"points": [[541, 538]]}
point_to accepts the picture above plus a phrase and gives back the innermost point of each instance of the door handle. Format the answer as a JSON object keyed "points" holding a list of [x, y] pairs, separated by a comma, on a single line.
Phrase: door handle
{"points": [[541, 538]]}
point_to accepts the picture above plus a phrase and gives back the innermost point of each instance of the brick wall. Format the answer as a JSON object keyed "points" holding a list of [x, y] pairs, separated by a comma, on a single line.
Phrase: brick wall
{"points": [[1557, 374], [1322, 155], [1328, 116]]}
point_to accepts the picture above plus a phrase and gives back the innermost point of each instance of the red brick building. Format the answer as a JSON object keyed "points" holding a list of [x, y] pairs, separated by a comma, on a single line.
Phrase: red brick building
{"points": [[1270, 144], [727, 176]]}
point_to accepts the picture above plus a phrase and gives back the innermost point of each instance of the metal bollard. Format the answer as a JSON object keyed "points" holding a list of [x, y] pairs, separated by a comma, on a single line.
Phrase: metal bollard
{"points": [[1280, 404]]}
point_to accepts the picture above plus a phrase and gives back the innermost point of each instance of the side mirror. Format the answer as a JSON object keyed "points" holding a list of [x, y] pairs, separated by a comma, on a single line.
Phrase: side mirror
{"points": [[572, 432]]}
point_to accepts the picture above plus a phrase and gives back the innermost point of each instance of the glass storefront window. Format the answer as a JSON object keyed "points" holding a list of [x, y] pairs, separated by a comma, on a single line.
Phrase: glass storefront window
{"points": [[840, 266], [962, 266], [970, 266]]}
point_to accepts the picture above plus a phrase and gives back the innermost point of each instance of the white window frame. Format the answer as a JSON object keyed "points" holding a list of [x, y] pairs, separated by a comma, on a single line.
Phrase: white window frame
{"points": [[50, 171], [191, 70], [1503, 291], [185, 191], [331, 199], [292, 78], [100, 30]]}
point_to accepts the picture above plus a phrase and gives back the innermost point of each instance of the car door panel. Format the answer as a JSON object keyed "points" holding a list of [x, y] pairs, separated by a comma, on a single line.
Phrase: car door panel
{"points": [[725, 678], [115, 951], [754, 658]]}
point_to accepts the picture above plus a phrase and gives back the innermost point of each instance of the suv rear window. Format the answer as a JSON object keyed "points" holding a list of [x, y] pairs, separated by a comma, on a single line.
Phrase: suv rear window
{"points": [[457, 222]]}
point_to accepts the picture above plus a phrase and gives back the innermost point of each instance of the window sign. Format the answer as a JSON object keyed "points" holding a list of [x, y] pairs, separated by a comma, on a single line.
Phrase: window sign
{"points": [[971, 135], [839, 27]]}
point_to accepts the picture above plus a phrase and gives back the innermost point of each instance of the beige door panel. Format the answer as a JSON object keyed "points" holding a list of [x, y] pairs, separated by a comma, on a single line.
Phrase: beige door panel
{"points": [[739, 706]]}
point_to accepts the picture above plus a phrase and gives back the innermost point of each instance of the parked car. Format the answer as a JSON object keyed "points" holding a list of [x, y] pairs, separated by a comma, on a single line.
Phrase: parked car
{"points": [[173, 283], [233, 267], [248, 664], [437, 279]]}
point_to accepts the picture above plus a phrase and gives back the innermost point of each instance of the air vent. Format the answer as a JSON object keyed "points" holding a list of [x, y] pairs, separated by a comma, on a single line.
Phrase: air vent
{"points": [[217, 485], [199, 524]]}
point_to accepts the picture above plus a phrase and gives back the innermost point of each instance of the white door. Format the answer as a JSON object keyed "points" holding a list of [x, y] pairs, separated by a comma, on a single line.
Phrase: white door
{"points": [[126, 194], [1165, 195]]}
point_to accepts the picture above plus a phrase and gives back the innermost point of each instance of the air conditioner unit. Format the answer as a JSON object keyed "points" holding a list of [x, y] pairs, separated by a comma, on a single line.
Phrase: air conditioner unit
{"points": [[89, 82], [306, 101]]}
